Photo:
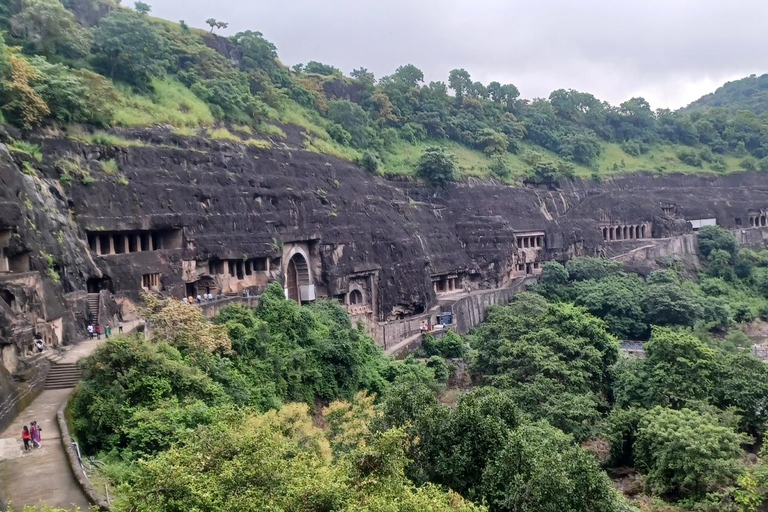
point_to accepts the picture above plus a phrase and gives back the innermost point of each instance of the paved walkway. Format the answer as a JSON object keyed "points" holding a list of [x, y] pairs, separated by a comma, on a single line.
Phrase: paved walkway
{"points": [[42, 476]]}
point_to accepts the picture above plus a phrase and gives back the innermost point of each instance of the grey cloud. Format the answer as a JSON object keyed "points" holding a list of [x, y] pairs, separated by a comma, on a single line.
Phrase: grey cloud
{"points": [[669, 51]]}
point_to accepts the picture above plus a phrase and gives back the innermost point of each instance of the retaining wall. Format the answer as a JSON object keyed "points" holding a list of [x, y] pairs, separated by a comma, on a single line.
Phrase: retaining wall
{"points": [[74, 463], [20, 394]]}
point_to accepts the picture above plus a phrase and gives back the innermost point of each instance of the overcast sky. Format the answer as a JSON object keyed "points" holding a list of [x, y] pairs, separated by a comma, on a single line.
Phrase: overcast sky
{"points": [[668, 51]]}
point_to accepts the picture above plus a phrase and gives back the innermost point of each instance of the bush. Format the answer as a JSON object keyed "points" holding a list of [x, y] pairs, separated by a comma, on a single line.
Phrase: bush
{"points": [[436, 166], [749, 164], [715, 237], [450, 345], [689, 157], [634, 147], [686, 452], [580, 269], [369, 162], [500, 169]]}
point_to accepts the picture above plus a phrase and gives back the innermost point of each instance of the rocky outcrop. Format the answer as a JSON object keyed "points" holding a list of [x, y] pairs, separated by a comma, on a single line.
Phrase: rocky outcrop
{"points": [[186, 215]]}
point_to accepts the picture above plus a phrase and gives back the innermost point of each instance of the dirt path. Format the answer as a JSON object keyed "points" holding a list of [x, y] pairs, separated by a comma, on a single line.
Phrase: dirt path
{"points": [[42, 476]]}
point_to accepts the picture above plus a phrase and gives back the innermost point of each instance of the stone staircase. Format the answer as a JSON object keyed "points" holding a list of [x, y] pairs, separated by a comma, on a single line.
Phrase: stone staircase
{"points": [[63, 376], [93, 306]]}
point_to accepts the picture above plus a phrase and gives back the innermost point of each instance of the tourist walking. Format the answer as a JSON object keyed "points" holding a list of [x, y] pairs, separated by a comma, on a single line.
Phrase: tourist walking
{"points": [[39, 345], [90, 331], [97, 330], [34, 431], [26, 437], [120, 326], [107, 331]]}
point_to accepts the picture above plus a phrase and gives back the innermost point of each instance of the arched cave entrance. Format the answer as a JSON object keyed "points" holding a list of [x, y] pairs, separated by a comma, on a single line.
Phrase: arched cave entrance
{"points": [[298, 276], [355, 297]]}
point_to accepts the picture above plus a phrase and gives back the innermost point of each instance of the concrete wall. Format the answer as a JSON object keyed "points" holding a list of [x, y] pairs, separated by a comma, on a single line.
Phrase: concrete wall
{"points": [[470, 311]]}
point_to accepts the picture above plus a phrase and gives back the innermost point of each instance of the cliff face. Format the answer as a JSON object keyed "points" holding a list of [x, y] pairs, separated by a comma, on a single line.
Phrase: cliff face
{"points": [[183, 215]]}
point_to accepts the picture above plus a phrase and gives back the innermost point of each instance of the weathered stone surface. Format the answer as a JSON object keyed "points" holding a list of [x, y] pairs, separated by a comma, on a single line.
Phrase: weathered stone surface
{"points": [[389, 239]]}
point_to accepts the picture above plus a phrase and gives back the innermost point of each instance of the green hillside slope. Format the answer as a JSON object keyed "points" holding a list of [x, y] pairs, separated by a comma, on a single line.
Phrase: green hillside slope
{"points": [[96, 63], [749, 93]]}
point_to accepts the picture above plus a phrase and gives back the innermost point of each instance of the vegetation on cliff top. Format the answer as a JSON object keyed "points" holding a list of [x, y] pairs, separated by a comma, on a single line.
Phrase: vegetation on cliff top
{"points": [[130, 69]]}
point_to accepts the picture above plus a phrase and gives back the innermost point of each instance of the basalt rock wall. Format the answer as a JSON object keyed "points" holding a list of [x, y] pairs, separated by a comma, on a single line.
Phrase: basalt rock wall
{"points": [[229, 201]]}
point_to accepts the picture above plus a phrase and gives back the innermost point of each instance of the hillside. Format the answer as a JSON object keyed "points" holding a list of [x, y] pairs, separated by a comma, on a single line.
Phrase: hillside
{"points": [[749, 93], [93, 62]]}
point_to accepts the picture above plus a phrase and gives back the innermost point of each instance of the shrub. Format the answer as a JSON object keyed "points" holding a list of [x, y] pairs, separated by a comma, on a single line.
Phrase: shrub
{"points": [[689, 157], [500, 169], [450, 345], [436, 166], [634, 147], [369, 162], [749, 164]]}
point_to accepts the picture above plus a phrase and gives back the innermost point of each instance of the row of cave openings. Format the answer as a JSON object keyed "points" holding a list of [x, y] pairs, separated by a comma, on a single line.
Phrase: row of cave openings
{"points": [[757, 221], [126, 242], [632, 232], [241, 268]]}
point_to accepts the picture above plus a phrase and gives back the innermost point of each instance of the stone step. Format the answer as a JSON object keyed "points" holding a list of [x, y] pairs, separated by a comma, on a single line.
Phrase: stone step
{"points": [[63, 376]]}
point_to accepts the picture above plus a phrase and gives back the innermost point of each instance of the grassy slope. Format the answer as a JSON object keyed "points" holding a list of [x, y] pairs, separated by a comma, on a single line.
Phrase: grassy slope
{"points": [[172, 103]]}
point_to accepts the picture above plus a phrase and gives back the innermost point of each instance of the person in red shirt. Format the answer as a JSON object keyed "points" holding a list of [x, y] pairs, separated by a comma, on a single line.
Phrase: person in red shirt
{"points": [[97, 330], [26, 437]]}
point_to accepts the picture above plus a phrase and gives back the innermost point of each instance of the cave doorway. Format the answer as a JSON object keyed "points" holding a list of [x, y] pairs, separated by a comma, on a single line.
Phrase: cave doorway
{"points": [[96, 284], [355, 297], [298, 276], [8, 298]]}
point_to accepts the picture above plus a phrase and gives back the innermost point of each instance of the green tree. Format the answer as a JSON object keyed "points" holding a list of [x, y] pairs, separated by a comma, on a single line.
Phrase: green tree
{"points": [[686, 452], [583, 268], [353, 119], [492, 142], [460, 82], [715, 237], [743, 383], [74, 96], [321, 69], [363, 76], [288, 464], [409, 76], [680, 367], [50, 29], [540, 468], [142, 7], [719, 264], [450, 345], [436, 166], [580, 147], [617, 299], [257, 52], [130, 48], [671, 304]]}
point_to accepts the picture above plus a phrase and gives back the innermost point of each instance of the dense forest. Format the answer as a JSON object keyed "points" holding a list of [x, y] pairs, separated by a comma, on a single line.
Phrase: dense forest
{"points": [[95, 62], [289, 407]]}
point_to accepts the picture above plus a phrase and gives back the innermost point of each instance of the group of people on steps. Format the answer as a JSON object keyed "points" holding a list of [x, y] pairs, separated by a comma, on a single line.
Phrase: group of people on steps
{"points": [[31, 434], [94, 330]]}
